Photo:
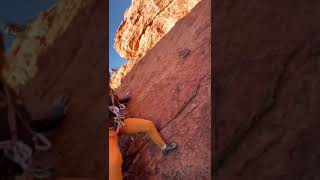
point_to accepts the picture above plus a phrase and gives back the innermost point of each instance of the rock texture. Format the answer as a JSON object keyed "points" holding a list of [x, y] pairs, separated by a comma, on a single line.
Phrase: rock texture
{"points": [[266, 85], [173, 90], [144, 24], [120, 73], [40, 33], [75, 64]]}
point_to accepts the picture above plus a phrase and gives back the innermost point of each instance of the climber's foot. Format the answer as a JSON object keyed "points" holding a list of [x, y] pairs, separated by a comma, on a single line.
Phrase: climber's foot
{"points": [[169, 148]]}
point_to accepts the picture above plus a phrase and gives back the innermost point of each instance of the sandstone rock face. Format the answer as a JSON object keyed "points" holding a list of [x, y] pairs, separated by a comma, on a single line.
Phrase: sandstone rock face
{"points": [[40, 33], [120, 73], [171, 86], [144, 24], [75, 64], [266, 85]]}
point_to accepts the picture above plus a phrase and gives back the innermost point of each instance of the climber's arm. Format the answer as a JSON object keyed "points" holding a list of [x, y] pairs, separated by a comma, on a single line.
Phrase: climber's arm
{"points": [[125, 99]]}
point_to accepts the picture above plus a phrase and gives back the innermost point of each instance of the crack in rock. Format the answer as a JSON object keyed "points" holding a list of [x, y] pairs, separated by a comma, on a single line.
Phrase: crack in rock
{"points": [[134, 155], [185, 105], [243, 131]]}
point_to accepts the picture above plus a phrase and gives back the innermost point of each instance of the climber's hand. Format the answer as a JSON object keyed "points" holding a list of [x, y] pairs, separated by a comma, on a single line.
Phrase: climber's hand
{"points": [[60, 105], [129, 94]]}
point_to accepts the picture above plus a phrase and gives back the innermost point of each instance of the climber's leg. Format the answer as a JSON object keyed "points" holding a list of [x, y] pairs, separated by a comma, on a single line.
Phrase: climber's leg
{"points": [[115, 157], [136, 125]]}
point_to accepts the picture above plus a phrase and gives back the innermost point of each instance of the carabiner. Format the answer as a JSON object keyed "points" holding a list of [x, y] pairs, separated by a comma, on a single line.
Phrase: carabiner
{"points": [[122, 106], [41, 142]]}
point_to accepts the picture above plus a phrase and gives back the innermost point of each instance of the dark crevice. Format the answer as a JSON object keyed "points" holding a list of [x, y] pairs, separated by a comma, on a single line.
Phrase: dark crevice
{"points": [[130, 158]]}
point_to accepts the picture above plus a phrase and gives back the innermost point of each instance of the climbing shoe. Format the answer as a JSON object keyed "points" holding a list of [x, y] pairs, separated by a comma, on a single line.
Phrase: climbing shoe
{"points": [[168, 148]]}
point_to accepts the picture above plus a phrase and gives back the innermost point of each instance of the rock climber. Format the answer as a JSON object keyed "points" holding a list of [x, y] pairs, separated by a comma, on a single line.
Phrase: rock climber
{"points": [[120, 124], [20, 134]]}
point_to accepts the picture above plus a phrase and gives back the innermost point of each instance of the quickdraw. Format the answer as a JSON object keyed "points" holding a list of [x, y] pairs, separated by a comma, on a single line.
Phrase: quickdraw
{"points": [[119, 117], [115, 110], [118, 112]]}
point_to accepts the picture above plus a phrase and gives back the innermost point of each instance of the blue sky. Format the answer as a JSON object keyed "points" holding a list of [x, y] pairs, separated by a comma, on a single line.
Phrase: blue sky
{"points": [[20, 11], [116, 13]]}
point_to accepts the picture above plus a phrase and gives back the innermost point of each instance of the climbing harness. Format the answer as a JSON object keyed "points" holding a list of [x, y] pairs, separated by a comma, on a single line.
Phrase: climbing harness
{"points": [[16, 150], [118, 119]]}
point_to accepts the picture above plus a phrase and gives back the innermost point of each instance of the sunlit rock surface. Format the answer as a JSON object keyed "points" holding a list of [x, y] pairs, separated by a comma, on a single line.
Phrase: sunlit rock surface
{"points": [[40, 33], [145, 23]]}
